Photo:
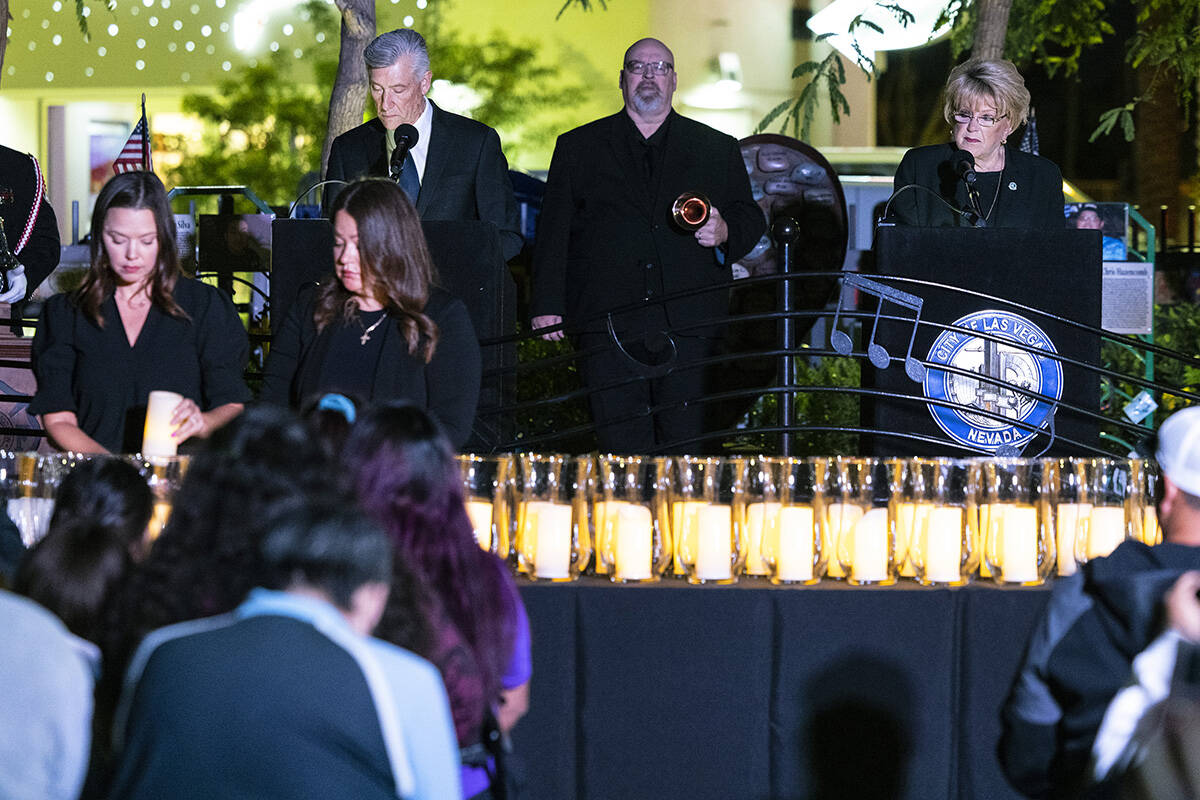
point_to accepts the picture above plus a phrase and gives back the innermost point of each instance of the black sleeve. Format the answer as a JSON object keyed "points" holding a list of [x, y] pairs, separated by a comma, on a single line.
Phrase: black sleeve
{"points": [[53, 357], [334, 171], [904, 206], [42, 251], [452, 377], [553, 237], [224, 350], [1051, 215], [494, 198], [286, 347], [742, 215]]}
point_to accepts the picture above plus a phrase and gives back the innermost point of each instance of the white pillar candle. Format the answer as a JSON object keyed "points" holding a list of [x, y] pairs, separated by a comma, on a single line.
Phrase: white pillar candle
{"points": [[869, 549], [714, 552], [910, 521], [548, 525], [940, 545], [1069, 518], [156, 436], [761, 519], [840, 518], [1106, 530], [633, 541], [31, 515], [792, 544], [1017, 527], [480, 514]]}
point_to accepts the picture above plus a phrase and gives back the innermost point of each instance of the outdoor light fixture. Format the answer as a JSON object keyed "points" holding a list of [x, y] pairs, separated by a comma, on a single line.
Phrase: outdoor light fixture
{"points": [[836, 17]]}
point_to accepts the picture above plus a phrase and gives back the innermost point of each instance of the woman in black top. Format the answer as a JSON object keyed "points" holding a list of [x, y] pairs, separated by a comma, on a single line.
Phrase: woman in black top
{"points": [[985, 102], [135, 325], [382, 330]]}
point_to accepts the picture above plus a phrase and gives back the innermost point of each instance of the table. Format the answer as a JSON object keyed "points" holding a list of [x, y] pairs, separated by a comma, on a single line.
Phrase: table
{"points": [[754, 691]]}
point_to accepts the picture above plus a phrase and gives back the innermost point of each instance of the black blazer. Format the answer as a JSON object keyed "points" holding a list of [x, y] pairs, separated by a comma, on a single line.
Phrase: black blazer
{"points": [[466, 174], [604, 243], [1030, 194], [447, 387], [18, 188]]}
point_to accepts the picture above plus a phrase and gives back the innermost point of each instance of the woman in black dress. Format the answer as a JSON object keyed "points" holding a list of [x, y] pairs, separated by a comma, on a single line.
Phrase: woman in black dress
{"points": [[382, 330], [135, 325]]}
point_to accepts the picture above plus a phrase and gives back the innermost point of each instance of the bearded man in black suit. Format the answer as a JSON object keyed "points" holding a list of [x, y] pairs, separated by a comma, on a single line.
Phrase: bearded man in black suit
{"points": [[607, 251], [462, 170]]}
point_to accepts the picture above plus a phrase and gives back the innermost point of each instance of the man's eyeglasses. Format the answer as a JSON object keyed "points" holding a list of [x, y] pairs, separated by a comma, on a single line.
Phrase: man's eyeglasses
{"points": [[984, 120], [648, 67]]}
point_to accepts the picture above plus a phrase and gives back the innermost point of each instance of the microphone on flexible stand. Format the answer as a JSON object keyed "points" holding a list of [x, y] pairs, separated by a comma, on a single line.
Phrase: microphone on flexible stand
{"points": [[405, 138], [964, 167]]}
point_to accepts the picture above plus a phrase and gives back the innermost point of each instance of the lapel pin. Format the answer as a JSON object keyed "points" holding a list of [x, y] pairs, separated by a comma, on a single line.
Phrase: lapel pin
{"points": [[1012, 186]]}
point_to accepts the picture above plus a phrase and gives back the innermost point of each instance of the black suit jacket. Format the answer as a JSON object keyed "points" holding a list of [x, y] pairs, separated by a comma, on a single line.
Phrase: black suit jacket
{"points": [[447, 387], [604, 243], [466, 174], [18, 186], [1030, 193]]}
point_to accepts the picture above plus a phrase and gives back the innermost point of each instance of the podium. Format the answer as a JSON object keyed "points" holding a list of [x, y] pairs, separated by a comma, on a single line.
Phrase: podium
{"points": [[470, 266], [1000, 324]]}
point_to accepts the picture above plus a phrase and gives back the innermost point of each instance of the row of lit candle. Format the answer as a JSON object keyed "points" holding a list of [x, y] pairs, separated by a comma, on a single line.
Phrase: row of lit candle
{"points": [[865, 520]]}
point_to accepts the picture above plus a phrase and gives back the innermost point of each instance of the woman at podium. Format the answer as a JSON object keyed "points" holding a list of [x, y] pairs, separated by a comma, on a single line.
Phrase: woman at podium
{"points": [[977, 179], [136, 325], [382, 330]]}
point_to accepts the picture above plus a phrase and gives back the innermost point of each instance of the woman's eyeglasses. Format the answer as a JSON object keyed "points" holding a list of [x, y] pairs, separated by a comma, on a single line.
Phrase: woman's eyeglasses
{"points": [[984, 120]]}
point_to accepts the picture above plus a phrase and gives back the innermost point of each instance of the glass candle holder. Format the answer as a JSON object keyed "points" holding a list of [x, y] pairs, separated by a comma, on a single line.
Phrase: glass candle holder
{"points": [[858, 494], [942, 548], [909, 510], [632, 526], [550, 543], [763, 501], [1017, 527], [1146, 480], [1110, 520], [488, 493], [32, 489], [164, 475], [1069, 481], [707, 513], [791, 542]]}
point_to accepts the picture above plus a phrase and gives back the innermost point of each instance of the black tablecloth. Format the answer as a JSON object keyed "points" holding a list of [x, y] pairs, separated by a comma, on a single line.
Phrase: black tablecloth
{"points": [[753, 691]]}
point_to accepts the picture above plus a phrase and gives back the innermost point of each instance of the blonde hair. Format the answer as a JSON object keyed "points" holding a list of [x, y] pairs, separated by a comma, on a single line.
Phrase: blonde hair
{"points": [[996, 82]]}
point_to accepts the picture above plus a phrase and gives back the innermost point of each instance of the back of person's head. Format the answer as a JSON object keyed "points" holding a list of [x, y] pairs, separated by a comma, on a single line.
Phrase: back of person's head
{"points": [[388, 48], [1178, 457], [207, 557], [330, 418], [325, 544], [100, 516], [403, 472]]}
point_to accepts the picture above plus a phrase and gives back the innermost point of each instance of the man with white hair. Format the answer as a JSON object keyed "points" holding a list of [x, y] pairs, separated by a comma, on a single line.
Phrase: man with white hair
{"points": [[460, 170], [1096, 623]]}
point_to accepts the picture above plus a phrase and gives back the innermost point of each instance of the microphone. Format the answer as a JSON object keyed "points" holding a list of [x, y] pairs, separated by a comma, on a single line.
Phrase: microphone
{"points": [[969, 216], [405, 138], [964, 166]]}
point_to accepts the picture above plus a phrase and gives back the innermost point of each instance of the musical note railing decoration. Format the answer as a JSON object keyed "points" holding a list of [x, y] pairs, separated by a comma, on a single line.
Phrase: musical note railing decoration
{"points": [[877, 353]]}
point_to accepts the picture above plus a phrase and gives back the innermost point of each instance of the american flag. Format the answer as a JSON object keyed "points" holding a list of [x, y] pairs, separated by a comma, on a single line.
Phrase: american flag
{"points": [[135, 155]]}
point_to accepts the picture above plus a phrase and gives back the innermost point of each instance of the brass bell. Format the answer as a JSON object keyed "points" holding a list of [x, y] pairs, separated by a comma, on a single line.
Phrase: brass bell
{"points": [[691, 210]]}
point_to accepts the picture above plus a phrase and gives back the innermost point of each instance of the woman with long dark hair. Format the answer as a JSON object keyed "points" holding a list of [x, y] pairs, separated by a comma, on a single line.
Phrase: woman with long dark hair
{"points": [[383, 329], [403, 472], [136, 325]]}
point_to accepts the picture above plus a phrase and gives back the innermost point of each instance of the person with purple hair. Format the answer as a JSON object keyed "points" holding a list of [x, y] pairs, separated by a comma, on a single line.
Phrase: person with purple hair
{"points": [[402, 470]]}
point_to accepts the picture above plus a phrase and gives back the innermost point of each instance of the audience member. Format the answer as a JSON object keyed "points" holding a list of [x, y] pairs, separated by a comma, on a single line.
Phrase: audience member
{"points": [[404, 474], [49, 663], [288, 696], [330, 418], [1097, 621]]}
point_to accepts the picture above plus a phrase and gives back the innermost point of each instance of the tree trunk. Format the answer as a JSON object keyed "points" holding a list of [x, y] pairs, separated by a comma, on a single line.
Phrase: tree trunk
{"points": [[350, 86], [1159, 120], [991, 28], [4, 18]]}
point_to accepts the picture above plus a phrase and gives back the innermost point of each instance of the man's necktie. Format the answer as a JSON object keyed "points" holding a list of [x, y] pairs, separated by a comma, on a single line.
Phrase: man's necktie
{"points": [[410, 182]]}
